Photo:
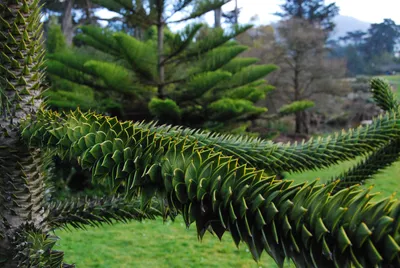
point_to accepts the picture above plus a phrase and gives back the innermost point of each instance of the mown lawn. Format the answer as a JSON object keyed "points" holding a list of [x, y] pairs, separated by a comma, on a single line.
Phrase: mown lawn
{"points": [[395, 81], [158, 244]]}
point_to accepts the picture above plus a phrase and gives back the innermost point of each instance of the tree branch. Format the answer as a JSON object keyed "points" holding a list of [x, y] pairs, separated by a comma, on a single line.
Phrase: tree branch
{"points": [[96, 211]]}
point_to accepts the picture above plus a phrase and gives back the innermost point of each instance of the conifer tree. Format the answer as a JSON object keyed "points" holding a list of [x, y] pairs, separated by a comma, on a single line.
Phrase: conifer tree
{"points": [[67, 94], [199, 82], [219, 182]]}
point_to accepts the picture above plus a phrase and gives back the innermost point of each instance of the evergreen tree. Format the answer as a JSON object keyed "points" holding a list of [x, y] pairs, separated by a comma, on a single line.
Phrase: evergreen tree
{"points": [[382, 38], [55, 40], [198, 81], [314, 11], [65, 94], [371, 52], [219, 182], [71, 14]]}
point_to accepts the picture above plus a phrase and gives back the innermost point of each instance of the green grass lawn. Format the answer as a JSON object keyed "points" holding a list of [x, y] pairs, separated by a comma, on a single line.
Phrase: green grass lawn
{"points": [[170, 244], [395, 81]]}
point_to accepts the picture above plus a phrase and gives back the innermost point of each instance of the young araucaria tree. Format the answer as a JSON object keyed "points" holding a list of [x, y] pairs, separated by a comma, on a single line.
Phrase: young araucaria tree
{"points": [[222, 183]]}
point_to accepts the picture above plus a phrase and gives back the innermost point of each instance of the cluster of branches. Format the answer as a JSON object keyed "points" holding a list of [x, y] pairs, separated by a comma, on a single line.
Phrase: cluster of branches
{"points": [[192, 77], [220, 182]]}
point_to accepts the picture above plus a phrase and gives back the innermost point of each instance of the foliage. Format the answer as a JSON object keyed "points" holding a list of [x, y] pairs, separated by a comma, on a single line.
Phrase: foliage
{"points": [[371, 52], [138, 16], [296, 106], [314, 11], [188, 68], [55, 41], [382, 37], [220, 182], [166, 110], [306, 73], [198, 75], [80, 213], [83, 89]]}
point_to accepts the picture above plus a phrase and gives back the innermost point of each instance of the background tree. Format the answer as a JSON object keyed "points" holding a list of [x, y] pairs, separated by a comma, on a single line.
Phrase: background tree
{"points": [[306, 73], [71, 14], [55, 41], [350, 47], [382, 38], [380, 46], [371, 52], [231, 17], [355, 38], [314, 11], [64, 94], [199, 94]]}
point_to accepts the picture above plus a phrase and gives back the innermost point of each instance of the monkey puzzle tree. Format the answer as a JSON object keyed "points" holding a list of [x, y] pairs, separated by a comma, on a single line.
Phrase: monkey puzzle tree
{"points": [[223, 183]]}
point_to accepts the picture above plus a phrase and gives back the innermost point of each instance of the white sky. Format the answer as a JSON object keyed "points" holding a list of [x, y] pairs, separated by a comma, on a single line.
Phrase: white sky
{"points": [[373, 11]]}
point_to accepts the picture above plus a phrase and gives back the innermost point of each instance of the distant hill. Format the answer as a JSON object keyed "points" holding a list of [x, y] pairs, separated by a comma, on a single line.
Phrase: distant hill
{"points": [[346, 24]]}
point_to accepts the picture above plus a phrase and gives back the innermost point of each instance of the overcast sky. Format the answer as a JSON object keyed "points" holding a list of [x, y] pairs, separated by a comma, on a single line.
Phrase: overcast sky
{"points": [[373, 11]]}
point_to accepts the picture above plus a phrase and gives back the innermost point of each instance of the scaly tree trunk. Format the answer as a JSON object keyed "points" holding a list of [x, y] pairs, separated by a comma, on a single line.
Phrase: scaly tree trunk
{"points": [[21, 186], [66, 24]]}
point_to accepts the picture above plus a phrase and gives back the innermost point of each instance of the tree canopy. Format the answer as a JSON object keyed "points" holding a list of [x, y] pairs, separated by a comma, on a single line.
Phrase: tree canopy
{"points": [[314, 11]]}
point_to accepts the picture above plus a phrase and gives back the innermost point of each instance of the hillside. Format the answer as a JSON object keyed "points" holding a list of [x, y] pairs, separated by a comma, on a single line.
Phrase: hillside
{"points": [[346, 24]]}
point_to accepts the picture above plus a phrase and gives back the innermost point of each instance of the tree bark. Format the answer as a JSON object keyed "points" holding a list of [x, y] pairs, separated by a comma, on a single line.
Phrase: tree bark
{"points": [[21, 184], [88, 12], [66, 23], [296, 86], [217, 17], [301, 125], [236, 12], [160, 51]]}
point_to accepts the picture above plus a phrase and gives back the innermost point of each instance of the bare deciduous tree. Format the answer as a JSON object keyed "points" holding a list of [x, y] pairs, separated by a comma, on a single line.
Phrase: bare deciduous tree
{"points": [[305, 70]]}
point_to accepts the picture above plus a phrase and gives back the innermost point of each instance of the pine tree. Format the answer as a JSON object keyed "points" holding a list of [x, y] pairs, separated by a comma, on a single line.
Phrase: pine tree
{"points": [[199, 82], [65, 94], [315, 12], [221, 183]]}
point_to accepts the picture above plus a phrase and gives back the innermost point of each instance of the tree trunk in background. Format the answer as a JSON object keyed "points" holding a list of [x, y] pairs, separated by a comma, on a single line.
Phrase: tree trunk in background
{"points": [[137, 32], [217, 17], [301, 126], [301, 123], [236, 12], [66, 23], [88, 12], [160, 51]]}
